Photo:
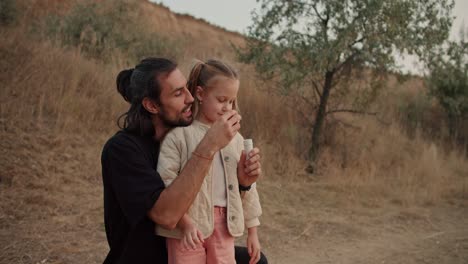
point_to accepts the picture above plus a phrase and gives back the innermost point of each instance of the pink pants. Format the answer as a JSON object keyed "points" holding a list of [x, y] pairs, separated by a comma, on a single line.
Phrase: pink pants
{"points": [[217, 248]]}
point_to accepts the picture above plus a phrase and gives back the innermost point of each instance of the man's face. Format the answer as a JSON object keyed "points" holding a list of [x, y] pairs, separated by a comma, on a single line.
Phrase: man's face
{"points": [[176, 100]]}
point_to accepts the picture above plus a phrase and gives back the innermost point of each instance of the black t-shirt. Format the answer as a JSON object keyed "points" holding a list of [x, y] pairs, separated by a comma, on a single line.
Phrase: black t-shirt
{"points": [[131, 187]]}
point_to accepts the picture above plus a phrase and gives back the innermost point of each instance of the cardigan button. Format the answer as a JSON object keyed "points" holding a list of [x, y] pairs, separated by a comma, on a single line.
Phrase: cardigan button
{"points": [[226, 158], [230, 187], [233, 217]]}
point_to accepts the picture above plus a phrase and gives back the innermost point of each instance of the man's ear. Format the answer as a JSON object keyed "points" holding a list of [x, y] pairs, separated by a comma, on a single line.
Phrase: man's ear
{"points": [[199, 93], [150, 105]]}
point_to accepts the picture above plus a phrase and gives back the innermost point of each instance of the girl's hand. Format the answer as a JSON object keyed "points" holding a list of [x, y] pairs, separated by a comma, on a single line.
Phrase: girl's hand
{"points": [[223, 130], [253, 245], [249, 168], [192, 237]]}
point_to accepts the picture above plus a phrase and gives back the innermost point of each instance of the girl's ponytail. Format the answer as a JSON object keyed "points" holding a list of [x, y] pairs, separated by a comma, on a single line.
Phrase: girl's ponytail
{"points": [[194, 77]]}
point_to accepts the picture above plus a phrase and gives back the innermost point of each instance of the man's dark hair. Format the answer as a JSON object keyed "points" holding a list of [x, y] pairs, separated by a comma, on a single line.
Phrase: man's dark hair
{"points": [[136, 84]]}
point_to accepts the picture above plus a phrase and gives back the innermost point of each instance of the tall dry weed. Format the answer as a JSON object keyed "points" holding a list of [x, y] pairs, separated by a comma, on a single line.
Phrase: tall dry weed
{"points": [[48, 86], [383, 163]]}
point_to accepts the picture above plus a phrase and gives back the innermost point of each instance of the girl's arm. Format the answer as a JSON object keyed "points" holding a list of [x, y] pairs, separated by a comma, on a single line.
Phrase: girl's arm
{"points": [[253, 245], [250, 200]]}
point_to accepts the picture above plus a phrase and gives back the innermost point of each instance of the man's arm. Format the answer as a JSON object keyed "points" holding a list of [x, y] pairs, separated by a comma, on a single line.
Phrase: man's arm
{"points": [[176, 199]]}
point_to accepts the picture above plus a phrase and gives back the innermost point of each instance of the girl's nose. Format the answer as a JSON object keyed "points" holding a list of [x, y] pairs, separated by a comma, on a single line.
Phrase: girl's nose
{"points": [[227, 107]]}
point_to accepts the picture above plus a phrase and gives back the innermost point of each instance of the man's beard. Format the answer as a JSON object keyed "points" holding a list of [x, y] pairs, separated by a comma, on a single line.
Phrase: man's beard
{"points": [[177, 122]]}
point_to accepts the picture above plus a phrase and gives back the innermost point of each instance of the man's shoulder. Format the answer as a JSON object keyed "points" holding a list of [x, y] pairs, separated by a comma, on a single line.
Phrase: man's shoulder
{"points": [[119, 138], [123, 140], [126, 147]]}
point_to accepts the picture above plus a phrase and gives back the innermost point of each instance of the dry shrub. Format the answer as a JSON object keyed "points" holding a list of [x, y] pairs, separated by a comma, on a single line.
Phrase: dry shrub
{"points": [[48, 86], [378, 163], [57, 108], [275, 127]]}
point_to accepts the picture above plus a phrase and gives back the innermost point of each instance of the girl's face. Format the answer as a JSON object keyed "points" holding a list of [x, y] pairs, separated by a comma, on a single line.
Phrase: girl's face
{"points": [[216, 99]]}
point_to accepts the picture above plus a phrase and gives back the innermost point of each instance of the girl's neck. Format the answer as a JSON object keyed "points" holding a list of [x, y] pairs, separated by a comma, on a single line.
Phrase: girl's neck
{"points": [[202, 119]]}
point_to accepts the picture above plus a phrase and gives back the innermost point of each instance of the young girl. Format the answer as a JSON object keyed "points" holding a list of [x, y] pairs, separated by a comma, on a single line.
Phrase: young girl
{"points": [[205, 234]]}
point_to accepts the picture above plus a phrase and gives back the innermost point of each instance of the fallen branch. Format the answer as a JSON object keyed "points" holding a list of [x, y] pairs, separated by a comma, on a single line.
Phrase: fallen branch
{"points": [[350, 111]]}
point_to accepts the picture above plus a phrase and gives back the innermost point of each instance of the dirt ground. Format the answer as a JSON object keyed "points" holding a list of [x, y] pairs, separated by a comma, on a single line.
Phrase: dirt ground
{"points": [[51, 212], [311, 230]]}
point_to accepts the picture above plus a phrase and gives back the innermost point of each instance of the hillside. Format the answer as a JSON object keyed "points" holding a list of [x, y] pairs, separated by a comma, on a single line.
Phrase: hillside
{"points": [[203, 36], [199, 37], [382, 195]]}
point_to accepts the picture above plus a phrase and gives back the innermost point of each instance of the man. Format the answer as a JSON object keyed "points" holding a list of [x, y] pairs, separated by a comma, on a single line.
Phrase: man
{"points": [[135, 198]]}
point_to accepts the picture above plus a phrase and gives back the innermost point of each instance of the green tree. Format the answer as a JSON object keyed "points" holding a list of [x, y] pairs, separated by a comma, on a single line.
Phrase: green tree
{"points": [[319, 49], [448, 80]]}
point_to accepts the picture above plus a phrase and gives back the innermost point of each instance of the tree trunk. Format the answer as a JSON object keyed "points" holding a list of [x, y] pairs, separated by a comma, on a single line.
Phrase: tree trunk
{"points": [[319, 119], [452, 126]]}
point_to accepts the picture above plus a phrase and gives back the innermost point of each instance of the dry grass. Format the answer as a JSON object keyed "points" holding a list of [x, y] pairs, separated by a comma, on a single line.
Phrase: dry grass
{"points": [[380, 195], [383, 163], [47, 84]]}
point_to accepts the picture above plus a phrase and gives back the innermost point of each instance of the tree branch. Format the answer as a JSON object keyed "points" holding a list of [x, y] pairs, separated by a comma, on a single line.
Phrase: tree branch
{"points": [[293, 105], [346, 61], [317, 89], [357, 41], [307, 101], [350, 111], [346, 124], [360, 112], [328, 15], [317, 13]]}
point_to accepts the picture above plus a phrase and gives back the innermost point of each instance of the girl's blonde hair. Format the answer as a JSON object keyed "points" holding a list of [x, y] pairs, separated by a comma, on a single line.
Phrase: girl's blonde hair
{"points": [[203, 72]]}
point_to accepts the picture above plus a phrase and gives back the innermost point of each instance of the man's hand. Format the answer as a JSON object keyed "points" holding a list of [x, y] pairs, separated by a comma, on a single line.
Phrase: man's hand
{"points": [[249, 168], [220, 133]]}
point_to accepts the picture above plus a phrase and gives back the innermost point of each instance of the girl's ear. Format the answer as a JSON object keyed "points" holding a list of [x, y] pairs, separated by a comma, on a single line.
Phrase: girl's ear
{"points": [[199, 93], [150, 105]]}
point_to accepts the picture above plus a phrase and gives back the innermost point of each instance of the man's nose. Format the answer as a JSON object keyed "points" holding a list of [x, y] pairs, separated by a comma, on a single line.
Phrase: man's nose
{"points": [[188, 98]]}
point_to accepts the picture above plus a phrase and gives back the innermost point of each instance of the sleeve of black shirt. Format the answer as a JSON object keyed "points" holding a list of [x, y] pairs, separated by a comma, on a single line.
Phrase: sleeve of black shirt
{"points": [[133, 179]]}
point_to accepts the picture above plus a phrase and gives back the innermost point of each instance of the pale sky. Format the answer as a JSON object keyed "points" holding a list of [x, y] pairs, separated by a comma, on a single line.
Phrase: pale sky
{"points": [[235, 15]]}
